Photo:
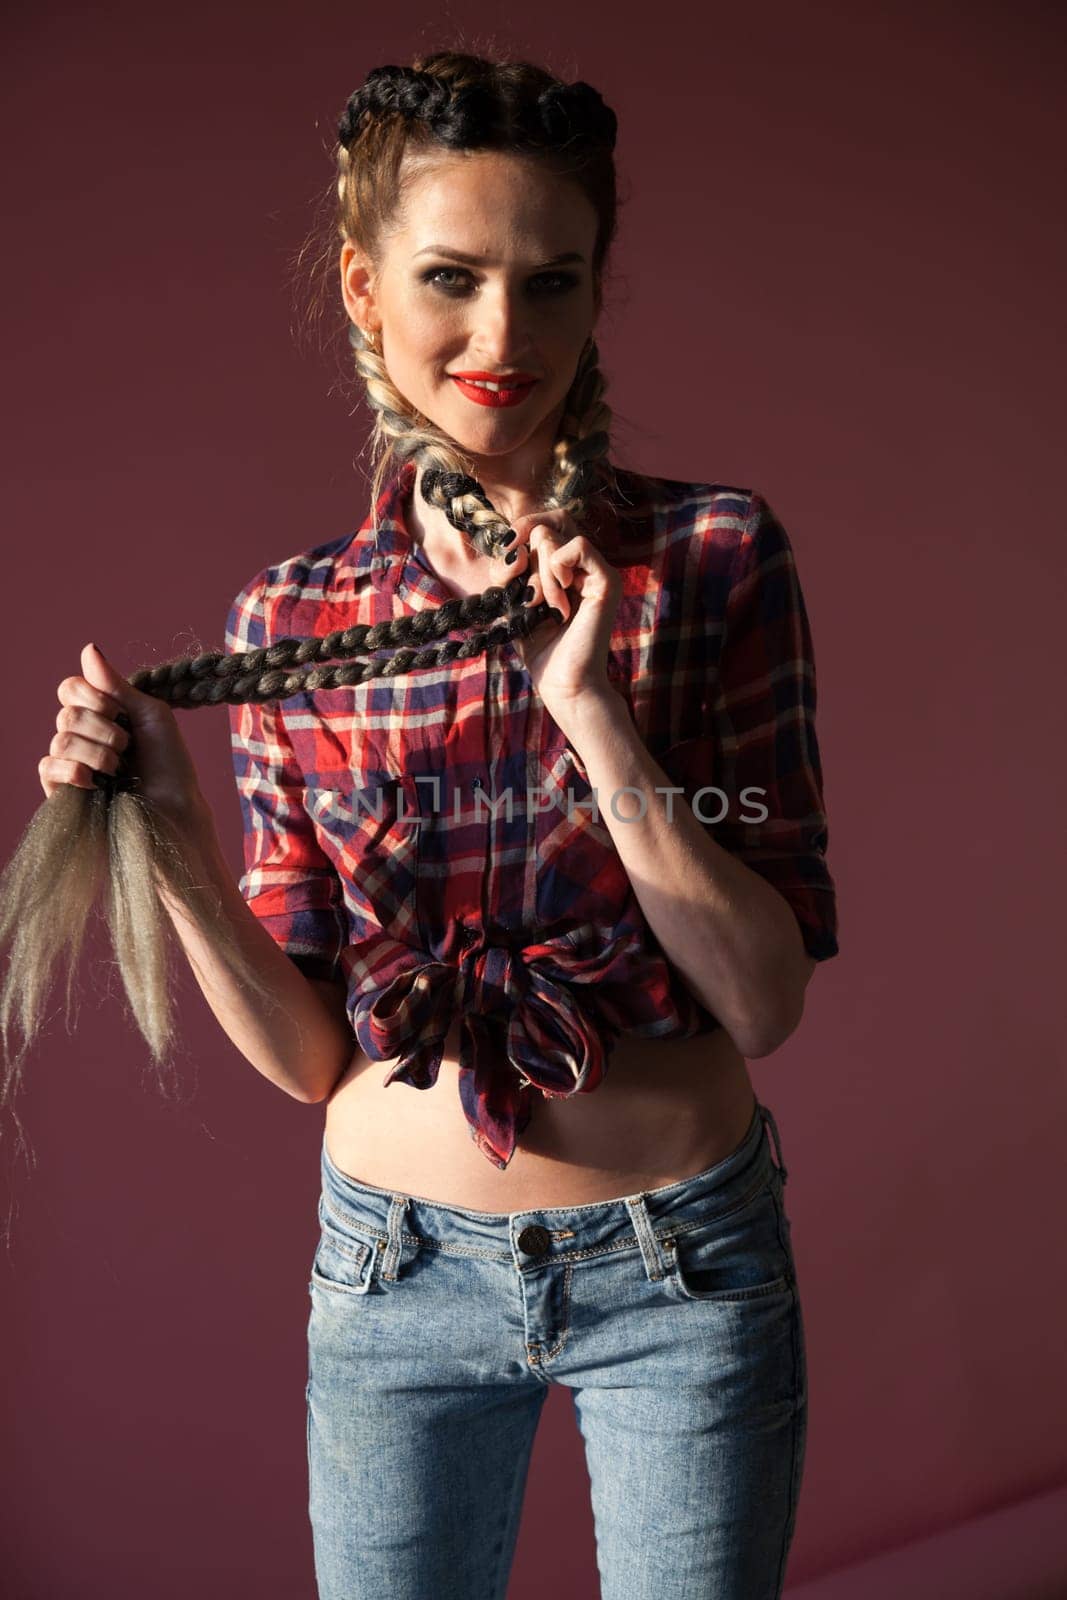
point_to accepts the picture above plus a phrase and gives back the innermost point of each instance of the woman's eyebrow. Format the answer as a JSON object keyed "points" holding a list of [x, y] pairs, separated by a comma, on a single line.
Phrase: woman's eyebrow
{"points": [[480, 261]]}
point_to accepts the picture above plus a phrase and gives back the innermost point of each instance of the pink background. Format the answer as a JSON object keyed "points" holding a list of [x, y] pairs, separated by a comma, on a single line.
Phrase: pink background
{"points": [[839, 280]]}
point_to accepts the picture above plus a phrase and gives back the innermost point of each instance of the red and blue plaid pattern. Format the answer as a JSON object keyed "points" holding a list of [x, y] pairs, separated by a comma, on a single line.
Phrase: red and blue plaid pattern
{"points": [[430, 841]]}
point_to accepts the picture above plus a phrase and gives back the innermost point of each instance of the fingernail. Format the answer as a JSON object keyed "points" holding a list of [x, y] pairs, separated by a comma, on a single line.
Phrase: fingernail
{"points": [[510, 537], [512, 555], [528, 593]]}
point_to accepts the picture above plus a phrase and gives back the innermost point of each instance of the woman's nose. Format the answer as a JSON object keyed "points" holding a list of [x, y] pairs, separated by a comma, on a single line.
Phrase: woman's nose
{"points": [[501, 330]]}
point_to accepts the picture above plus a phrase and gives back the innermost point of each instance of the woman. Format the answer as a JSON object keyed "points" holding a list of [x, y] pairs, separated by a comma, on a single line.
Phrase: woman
{"points": [[479, 1239]]}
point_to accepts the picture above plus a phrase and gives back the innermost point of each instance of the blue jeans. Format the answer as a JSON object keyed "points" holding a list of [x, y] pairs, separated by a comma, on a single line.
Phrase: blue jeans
{"points": [[673, 1317]]}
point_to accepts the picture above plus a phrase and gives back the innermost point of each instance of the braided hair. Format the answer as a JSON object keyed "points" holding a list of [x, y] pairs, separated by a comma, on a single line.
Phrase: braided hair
{"points": [[81, 840]]}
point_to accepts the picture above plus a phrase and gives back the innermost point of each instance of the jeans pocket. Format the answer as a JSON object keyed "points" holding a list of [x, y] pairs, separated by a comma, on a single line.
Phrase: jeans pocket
{"points": [[739, 1256], [346, 1259]]}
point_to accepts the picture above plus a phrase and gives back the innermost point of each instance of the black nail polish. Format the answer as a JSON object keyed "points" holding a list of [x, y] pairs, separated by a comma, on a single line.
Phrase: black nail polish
{"points": [[512, 555], [528, 593]]}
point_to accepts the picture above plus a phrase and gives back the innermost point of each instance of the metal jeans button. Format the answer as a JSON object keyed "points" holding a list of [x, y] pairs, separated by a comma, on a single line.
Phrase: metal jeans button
{"points": [[534, 1240]]}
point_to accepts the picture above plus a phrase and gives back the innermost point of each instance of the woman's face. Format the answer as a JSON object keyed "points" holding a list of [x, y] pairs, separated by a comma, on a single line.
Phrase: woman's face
{"points": [[516, 308]]}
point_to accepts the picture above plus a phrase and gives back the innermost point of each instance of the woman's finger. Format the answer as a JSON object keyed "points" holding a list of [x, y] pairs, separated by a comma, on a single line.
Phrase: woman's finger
{"points": [[577, 554], [75, 691], [544, 545], [75, 747], [92, 725], [558, 523], [53, 771]]}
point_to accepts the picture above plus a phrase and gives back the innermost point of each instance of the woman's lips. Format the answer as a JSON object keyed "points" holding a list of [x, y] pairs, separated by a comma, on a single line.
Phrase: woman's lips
{"points": [[491, 397]]}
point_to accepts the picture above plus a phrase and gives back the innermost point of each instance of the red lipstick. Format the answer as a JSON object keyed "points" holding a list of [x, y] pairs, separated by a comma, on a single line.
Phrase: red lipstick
{"points": [[514, 387], [499, 377]]}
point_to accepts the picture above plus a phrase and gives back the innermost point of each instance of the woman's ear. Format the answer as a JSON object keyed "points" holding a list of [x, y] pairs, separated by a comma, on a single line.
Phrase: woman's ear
{"points": [[356, 290]]}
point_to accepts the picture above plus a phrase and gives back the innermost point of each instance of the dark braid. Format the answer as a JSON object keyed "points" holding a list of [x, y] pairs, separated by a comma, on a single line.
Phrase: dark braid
{"points": [[465, 118], [256, 676]]}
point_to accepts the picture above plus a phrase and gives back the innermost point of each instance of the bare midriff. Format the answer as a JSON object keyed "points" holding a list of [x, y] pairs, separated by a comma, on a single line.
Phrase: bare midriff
{"points": [[666, 1110]]}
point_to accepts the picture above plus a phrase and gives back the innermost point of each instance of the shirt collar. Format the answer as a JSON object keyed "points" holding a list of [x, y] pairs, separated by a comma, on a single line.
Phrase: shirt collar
{"points": [[372, 553]]}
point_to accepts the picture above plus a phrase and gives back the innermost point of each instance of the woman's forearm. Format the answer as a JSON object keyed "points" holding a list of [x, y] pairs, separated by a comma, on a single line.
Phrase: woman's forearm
{"points": [[731, 935], [302, 1043]]}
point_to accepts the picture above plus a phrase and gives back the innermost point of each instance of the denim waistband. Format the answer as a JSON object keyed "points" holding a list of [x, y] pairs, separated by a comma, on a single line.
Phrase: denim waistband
{"points": [[386, 1218]]}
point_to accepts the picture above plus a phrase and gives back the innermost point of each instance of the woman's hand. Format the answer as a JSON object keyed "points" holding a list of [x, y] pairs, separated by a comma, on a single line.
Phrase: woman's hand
{"points": [[89, 739], [567, 661]]}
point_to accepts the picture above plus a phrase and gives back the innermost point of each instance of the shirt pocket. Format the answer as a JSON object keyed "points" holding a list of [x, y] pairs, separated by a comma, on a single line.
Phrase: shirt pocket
{"points": [[368, 823]]}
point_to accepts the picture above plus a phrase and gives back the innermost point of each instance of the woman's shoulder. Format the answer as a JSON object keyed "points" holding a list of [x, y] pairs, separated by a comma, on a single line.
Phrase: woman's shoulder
{"points": [[313, 565], [341, 570], [682, 525], [311, 575], [642, 497]]}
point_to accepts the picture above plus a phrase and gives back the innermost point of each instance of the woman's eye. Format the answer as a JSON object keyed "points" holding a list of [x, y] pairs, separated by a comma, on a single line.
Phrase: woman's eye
{"points": [[435, 274], [563, 280]]}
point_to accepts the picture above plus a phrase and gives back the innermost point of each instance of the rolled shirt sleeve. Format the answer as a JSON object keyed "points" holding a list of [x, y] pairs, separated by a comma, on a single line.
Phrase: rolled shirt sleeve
{"points": [[762, 722], [290, 885]]}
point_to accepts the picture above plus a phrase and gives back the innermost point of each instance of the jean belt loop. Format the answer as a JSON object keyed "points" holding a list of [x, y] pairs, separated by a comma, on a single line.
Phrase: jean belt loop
{"points": [[768, 1117], [398, 1206], [656, 1264]]}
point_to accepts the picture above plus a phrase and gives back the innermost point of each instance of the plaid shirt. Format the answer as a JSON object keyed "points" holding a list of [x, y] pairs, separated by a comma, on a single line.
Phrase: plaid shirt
{"points": [[430, 841]]}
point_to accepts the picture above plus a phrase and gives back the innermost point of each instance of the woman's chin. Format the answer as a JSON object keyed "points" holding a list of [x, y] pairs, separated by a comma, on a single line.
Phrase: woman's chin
{"points": [[489, 444]]}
